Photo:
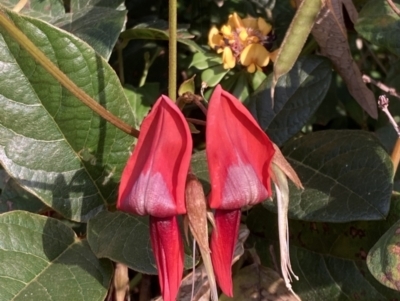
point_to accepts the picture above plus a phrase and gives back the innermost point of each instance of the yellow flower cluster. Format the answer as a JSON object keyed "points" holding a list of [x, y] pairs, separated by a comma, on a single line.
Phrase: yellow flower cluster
{"points": [[242, 41]]}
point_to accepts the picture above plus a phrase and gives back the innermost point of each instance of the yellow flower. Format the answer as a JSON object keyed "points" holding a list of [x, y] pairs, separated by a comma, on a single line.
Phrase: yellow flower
{"points": [[228, 59], [243, 41], [215, 40], [235, 21], [254, 57]]}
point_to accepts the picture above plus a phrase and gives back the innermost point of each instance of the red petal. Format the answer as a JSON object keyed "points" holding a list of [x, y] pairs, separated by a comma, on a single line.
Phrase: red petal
{"points": [[153, 181], [239, 154], [167, 246], [223, 241]]}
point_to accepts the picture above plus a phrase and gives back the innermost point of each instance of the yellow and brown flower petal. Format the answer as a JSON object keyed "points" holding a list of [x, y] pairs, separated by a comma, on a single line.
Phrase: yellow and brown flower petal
{"points": [[226, 31], [254, 54], [263, 26], [215, 40], [235, 21], [228, 59], [250, 23]]}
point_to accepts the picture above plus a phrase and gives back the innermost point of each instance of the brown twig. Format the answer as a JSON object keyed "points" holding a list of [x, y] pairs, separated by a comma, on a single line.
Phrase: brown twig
{"points": [[196, 121], [393, 6], [145, 287], [383, 103], [391, 91]]}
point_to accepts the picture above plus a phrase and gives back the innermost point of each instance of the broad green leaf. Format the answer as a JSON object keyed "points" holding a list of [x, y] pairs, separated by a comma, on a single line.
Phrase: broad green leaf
{"points": [[141, 99], [202, 61], [298, 95], [52, 144], [96, 22], [42, 259], [46, 10], [124, 238], [331, 278], [200, 168], [77, 5], [14, 197], [378, 23], [157, 34], [347, 176], [384, 258], [351, 240], [212, 76], [324, 277], [97, 25], [237, 85]]}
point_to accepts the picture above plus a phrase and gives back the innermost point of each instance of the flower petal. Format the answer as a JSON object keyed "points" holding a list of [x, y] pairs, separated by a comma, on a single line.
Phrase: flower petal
{"points": [[167, 245], [214, 38], [250, 23], [254, 54], [235, 21], [263, 26], [228, 59], [239, 154], [153, 181], [223, 241], [226, 30]]}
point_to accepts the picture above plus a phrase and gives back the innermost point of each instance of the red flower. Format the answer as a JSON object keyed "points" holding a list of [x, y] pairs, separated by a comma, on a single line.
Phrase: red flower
{"points": [[239, 154], [153, 182]]}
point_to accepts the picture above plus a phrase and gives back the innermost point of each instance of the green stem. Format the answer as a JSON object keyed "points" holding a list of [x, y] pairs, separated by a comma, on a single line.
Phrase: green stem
{"points": [[172, 21], [147, 64]]}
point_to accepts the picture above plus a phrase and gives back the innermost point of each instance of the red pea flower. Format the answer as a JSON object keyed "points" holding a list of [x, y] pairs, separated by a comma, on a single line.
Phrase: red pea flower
{"points": [[239, 154], [153, 182]]}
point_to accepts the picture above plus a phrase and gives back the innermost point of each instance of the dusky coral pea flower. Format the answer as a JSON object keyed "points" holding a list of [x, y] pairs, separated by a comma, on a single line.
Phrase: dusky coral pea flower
{"points": [[239, 154], [243, 41], [153, 182]]}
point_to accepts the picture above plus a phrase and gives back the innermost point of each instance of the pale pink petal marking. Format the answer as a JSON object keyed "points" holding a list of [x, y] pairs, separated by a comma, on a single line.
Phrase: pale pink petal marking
{"points": [[147, 193], [242, 187]]}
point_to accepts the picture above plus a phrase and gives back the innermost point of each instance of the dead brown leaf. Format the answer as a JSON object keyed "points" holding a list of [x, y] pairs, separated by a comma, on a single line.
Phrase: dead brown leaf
{"points": [[256, 282], [330, 33], [285, 166]]}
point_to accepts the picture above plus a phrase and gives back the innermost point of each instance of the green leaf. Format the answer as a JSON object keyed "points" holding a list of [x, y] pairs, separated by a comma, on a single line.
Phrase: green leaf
{"points": [[46, 10], [351, 240], [331, 278], [237, 85], [345, 244], [157, 34], [212, 76], [52, 144], [42, 259], [141, 99], [14, 197], [200, 168], [202, 61], [383, 259], [77, 5], [347, 176], [97, 26], [378, 23], [297, 96], [123, 238], [98, 23]]}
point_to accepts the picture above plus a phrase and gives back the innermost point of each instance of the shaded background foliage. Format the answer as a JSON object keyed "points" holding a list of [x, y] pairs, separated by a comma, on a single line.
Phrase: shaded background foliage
{"points": [[61, 163]]}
